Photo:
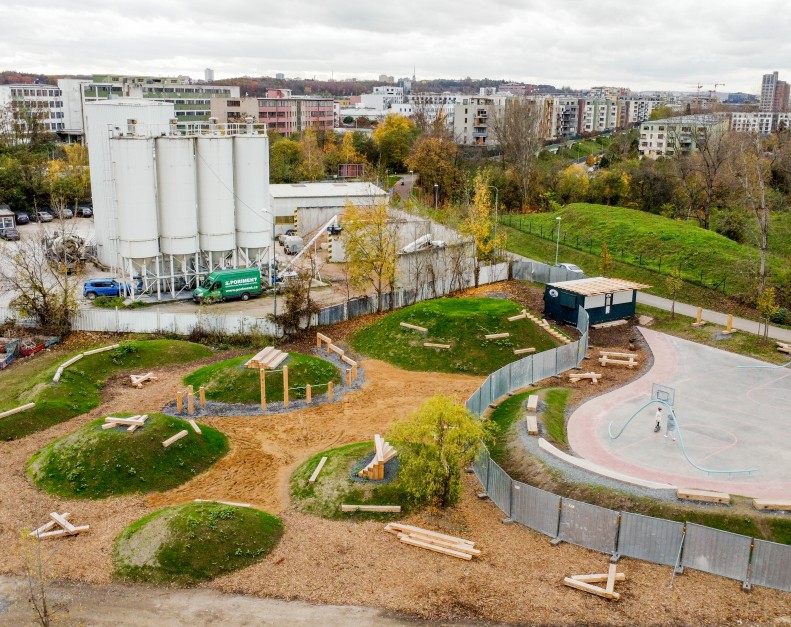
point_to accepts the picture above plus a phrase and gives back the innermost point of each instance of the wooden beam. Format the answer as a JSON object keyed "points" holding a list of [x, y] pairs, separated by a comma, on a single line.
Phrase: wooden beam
{"points": [[456, 546], [175, 438], [101, 350], [60, 520], [190, 400], [611, 579], [598, 577], [371, 508], [322, 338], [395, 527], [262, 376], [285, 386], [432, 345], [436, 549], [702, 495], [48, 525], [308, 394], [521, 316], [110, 425], [772, 505], [202, 395], [63, 532], [348, 360], [497, 336], [524, 351], [532, 424], [179, 402], [586, 587], [195, 427], [125, 421], [16, 410], [414, 327], [316, 472], [223, 502]]}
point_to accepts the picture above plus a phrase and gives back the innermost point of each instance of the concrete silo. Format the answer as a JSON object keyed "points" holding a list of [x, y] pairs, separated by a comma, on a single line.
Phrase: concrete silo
{"points": [[216, 206], [253, 217]]}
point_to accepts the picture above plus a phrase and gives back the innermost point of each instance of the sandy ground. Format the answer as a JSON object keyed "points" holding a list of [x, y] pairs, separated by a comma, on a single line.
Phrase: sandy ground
{"points": [[517, 578]]}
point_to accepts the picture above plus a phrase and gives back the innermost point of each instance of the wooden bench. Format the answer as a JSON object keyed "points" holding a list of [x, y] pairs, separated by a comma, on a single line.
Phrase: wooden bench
{"points": [[532, 424], [520, 316], [532, 402], [524, 351], [686, 494], [772, 505], [594, 377], [625, 359], [497, 336], [784, 348]]}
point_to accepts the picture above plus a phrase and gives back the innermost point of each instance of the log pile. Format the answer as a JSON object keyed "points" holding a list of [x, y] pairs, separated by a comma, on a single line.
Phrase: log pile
{"points": [[433, 541]]}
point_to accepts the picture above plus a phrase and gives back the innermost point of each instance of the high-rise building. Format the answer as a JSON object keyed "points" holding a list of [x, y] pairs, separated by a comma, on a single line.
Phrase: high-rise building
{"points": [[280, 76], [782, 96], [768, 88], [208, 75], [30, 105]]}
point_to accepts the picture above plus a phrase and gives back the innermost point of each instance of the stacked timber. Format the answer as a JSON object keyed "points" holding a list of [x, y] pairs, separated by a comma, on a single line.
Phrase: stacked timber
{"points": [[269, 359], [131, 424], [433, 541]]}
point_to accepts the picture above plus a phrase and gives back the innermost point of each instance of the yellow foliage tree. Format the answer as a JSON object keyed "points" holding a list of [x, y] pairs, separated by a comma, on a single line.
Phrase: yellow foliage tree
{"points": [[371, 245], [311, 156], [479, 223]]}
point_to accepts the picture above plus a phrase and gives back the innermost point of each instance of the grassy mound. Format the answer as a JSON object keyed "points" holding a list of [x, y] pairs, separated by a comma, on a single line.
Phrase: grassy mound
{"points": [[79, 386], [334, 485], [230, 382], [460, 322], [93, 463], [189, 543]]}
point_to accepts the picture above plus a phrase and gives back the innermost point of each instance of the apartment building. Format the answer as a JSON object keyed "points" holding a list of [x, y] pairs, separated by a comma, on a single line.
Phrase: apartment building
{"points": [[768, 88], [25, 102], [635, 110], [473, 119], [383, 97], [760, 122], [678, 135], [279, 110], [598, 115], [431, 106]]}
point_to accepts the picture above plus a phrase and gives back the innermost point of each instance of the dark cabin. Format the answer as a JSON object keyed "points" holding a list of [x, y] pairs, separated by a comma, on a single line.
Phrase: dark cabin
{"points": [[604, 299]]}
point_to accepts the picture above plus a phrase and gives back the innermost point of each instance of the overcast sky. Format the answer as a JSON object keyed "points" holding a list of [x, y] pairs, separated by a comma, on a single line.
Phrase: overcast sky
{"points": [[673, 45]]}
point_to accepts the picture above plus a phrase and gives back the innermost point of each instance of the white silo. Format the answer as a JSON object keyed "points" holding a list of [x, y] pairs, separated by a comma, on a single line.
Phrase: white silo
{"points": [[216, 225], [251, 187], [178, 195], [136, 196]]}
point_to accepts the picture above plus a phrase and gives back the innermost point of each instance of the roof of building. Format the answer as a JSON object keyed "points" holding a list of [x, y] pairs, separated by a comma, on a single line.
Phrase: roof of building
{"points": [[700, 119], [595, 286], [319, 190]]}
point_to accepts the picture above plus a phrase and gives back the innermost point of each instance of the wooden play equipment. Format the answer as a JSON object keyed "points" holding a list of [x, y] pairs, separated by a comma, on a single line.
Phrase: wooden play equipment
{"points": [[175, 438], [432, 345], [16, 410], [729, 326], [132, 423], [687, 494], [393, 509], [414, 327], [585, 583], [58, 520], [594, 377], [322, 339], [520, 316], [621, 359], [699, 322], [269, 359], [532, 402], [383, 453], [524, 351], [780, 506], [195, 427], [784, 348], [530, 418], [316, 472], [76, 358], [497, 336], [541, 322], [139, 379], [433, 541]]}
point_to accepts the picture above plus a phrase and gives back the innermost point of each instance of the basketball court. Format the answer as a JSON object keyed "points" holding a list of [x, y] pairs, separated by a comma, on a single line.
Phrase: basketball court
{"points": [[733, 415]]}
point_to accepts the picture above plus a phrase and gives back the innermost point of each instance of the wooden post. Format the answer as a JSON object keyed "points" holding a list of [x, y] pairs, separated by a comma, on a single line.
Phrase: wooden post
{"points": [[348, 377], [202, 395], [179, 401], [318, 341], [730, 323], [190, 400], [699, 318], [262, 374], [285, 386], [308, 393], [329, 391], [354, 372]]}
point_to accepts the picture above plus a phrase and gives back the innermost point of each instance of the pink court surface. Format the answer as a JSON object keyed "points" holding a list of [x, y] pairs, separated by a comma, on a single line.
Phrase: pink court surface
{"points": [[731, 418]]}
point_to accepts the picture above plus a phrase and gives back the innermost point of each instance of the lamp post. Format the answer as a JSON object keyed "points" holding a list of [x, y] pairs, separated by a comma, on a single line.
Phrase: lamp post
{"points": [[436, 195], [496, 203], [557, 241], [273, 264], [411, 183]]}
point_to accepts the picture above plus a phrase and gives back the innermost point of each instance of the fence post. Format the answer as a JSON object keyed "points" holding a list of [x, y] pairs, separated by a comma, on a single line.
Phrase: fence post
{"points": [[285, 386]]}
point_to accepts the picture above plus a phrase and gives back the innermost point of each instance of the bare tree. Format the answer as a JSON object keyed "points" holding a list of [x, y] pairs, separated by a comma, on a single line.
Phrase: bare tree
{"points": [[518, 131], [40, 290], [36, 578]]}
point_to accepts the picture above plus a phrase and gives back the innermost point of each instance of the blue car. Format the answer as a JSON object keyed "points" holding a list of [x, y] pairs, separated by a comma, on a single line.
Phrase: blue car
{"points": [[103, 287]]}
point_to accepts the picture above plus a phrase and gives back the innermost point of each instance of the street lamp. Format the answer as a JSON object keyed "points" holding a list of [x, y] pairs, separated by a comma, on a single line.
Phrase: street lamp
{"points": [[436, 195], [557, 241], [496, 203], [411, 183], [273, 264]]}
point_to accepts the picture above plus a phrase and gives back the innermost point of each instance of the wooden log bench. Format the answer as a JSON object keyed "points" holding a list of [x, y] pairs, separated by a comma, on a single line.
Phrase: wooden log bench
{"points": [[532, 424], [532, 402], [497, 336], [765, 504], [688, 494], [524, 351], [624, 359], [784, 348], [594, 377]]}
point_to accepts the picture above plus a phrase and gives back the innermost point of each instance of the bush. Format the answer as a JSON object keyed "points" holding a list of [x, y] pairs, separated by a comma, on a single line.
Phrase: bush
{"points": [[780, 316]]}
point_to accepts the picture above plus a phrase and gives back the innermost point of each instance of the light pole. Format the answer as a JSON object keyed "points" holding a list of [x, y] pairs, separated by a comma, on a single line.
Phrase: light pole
{"points": [[411, 183], [496, 203], [273, 264], [436, 195], [557, 241]]}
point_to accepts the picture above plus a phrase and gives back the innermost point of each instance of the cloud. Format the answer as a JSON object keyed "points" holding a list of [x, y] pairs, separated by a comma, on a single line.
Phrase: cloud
{"points": [[673, 45]]}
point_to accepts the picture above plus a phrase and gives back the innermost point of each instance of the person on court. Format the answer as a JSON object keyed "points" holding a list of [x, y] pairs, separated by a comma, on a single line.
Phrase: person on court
{"points": [[658, 425], [671, 426]]}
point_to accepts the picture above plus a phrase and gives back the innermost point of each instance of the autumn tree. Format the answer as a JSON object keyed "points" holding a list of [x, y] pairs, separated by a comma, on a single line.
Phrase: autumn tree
{"points": [[435, 443], [434, 158], [394, 138], [767, 306], [370, 241], [285, 163], [311, 157], [674, 284], [605, 263], [299, 306], [518, 131]]}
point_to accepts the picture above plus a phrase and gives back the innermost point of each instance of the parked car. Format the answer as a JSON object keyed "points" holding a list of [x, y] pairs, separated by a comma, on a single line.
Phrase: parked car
{"points": [[9, 233], [570, 267], [22, 218], [84, 211], [41, 216], [103, 287], [66, 213], [282, 236], [227, 284]]}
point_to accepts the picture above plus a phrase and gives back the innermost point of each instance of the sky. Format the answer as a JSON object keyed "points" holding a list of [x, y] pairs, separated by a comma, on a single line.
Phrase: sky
{"points": [[671, 45]]}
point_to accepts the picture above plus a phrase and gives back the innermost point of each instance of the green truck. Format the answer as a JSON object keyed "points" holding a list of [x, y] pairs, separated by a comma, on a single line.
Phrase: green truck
{"points": [[227, 284]]}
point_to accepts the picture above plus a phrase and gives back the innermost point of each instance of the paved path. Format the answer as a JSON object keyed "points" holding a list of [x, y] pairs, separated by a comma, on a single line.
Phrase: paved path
{"points": [[731, 413], [751, 326]]}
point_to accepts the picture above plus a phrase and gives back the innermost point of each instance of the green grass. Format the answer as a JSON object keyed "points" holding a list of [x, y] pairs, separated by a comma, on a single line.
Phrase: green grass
{"points": [[194, 542], [93, 463], [502, 419], [117, 302], [460, 322], [230, 382], [80, 385], [749, 344], [335, 487], [645, 241], [554, 417]]}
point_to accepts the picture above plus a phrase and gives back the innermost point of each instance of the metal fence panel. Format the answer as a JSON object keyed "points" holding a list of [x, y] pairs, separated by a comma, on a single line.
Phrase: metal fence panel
{"points": [[567, 357], [331, 315], [771, 565], [650, 539], [500, 382], [522, 373], [544, 365], [535, 508], [717, 552], [481, 467], [588, 525], [499, 487]]}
